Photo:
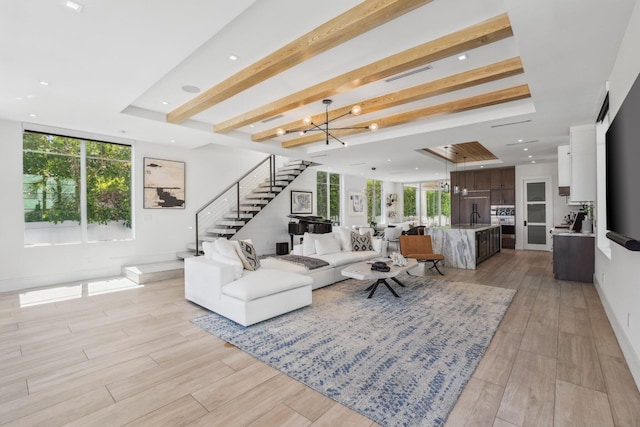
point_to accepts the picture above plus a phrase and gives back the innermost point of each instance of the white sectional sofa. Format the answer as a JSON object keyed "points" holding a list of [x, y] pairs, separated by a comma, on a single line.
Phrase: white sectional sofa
{"points": [[220, 282]]}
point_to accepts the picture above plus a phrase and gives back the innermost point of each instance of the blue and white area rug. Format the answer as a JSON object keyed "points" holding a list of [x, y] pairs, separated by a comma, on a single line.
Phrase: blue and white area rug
{"points": [[397, 361]]}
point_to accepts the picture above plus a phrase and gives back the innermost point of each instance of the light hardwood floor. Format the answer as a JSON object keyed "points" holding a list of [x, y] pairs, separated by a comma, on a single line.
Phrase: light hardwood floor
{"points": [[133, 358]]}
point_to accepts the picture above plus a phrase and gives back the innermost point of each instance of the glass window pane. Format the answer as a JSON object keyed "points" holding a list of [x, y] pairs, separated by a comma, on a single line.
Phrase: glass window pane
{"points": [[537, 213], [410, 206], [322, 196], [108, 191], [536, 192], [537, 234], [374, 201], [51, 184]]}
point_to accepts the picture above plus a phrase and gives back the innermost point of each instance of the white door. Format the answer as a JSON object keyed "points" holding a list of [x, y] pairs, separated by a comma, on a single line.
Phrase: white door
{"points": [[537, 214]]}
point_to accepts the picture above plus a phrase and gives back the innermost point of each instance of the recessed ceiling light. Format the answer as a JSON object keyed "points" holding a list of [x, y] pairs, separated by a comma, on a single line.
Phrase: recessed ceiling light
{"points": [[233, 57], [481, 166], [533, 161], [43, 83], [172, 140], [76, 7], [520, 140], [530, 156], [191, 89], [164, 103], [417, 168], [33, 115], [525, 149], [388, 160], [462, 57]]}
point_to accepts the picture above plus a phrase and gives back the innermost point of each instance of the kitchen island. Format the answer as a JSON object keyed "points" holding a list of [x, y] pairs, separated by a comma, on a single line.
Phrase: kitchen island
{"points": [[465, 246]]}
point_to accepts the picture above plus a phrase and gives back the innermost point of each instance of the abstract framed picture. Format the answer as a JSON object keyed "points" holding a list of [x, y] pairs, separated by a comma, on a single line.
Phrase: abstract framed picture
{"points": [[356, 204], [301, 202], [163, 184]]}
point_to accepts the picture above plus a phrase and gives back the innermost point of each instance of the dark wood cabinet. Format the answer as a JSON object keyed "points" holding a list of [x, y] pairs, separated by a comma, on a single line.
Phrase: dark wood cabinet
{"points": [[574, 257], [503, 183], [480, 179], [487, 243]]}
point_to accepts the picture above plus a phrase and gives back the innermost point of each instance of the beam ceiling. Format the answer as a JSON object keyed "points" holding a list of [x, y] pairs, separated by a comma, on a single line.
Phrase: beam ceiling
{"points": [[358, 20]]}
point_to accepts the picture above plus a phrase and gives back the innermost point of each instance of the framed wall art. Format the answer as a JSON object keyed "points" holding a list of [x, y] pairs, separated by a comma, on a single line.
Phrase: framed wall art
{"points": [[356, 204], [301, 202], [163, 184]]}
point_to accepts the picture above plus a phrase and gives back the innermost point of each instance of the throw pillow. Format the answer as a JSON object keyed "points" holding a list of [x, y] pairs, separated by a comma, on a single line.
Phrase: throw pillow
{"points": [[327, 246], [345, 238], [361, 242], [309, 242], [225, 247], [249, 257]]}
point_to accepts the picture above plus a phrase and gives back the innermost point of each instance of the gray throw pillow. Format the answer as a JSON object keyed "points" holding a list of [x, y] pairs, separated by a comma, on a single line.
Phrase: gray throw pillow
{"points": [[249, 257], [361, 242]]}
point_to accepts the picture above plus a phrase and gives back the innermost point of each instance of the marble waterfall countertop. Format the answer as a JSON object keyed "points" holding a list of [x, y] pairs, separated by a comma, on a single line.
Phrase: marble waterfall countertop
{"points": [[457, 243]]}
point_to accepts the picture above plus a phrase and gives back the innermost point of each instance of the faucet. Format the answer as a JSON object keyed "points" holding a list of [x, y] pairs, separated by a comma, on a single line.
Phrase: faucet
{"points": [[474, 213]]}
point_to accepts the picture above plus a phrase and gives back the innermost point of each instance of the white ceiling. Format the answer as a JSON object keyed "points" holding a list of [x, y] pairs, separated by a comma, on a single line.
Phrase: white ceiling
{"points": [[110, 67]]}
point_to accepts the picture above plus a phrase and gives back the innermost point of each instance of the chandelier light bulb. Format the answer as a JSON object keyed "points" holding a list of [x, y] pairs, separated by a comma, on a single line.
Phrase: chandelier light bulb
{"points": [[356, 109], [280, 132], [373, 126]]}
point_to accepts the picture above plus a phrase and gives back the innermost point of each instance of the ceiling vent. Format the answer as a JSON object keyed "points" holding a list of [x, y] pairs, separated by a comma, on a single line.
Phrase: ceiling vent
{"points": [[408, 73], [510, 124]]}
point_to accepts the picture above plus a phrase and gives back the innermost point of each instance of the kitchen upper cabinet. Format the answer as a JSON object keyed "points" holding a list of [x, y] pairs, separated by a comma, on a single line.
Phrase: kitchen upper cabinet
{"points": [[480, 179], [582, 141], [503, 182]]}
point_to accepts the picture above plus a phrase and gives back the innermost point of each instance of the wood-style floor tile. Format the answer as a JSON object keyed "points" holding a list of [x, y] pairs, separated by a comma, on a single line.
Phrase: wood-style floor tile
{"points": [[477, 405], [624, 396], [578, 406], [578, 361], [495, 366], [134, 358], [530, 393]]}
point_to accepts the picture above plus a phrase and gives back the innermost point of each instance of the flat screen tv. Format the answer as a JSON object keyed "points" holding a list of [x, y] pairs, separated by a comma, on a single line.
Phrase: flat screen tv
{"points": [[623, 172]]}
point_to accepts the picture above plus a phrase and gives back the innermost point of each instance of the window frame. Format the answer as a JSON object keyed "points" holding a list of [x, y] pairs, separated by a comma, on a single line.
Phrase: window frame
{"points": [[85, 235]]}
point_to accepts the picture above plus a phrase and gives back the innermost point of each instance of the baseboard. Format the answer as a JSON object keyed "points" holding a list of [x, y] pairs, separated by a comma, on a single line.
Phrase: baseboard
{"points": [[630, 355]]}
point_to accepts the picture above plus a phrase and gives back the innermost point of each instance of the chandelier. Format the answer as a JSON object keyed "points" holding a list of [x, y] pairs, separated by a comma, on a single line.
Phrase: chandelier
{"points": [[324, 127]]}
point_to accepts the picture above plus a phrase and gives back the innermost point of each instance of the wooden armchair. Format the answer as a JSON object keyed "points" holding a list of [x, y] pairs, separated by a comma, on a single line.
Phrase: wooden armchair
{"points": [[419, 247]]}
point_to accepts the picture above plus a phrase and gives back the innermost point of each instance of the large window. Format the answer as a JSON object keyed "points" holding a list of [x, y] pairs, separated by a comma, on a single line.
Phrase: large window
{"points": [[426, 203], [328, 186], [75, 190], [374, 201]]}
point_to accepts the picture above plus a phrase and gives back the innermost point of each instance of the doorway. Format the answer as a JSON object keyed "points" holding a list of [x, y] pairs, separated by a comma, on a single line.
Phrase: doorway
{"points": [[538, 214]]}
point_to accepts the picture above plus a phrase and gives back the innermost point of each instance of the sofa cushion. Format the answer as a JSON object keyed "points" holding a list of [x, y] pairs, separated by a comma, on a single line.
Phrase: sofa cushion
{"points": [[345, 238], [265, 282], [238, 268], [248, 256], [327, 246], [309, 242], [338, 259], [361, 242], [227, 248]]}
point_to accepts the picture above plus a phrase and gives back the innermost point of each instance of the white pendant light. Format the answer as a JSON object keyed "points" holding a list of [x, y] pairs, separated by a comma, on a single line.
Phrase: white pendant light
{"points": [[464, 164], [446, 170]]}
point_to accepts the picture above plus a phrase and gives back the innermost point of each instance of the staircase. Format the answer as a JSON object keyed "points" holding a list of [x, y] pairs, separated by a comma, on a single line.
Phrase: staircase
{"points": [[235, 207]]}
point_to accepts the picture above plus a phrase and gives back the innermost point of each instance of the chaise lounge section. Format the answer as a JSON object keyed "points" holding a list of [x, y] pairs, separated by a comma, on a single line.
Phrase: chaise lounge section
{"points": [[249, 292]]}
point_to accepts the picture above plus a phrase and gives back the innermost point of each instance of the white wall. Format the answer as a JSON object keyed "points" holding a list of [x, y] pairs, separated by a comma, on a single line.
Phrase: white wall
{"points": [[159, 233], [351, 184], [617, 274]]}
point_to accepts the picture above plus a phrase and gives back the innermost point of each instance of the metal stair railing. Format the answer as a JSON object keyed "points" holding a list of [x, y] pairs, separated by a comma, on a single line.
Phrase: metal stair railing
{"points": [[231, 198]]}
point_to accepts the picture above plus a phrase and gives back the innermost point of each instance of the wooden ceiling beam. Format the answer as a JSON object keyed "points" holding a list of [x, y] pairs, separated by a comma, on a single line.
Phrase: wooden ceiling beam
{"points": [[488, 73], [457, 106], [354, 22], [489, 31]]}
